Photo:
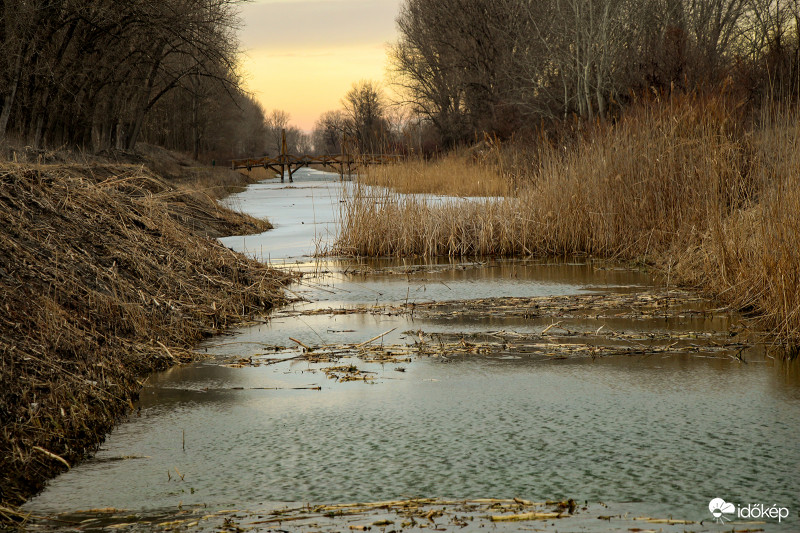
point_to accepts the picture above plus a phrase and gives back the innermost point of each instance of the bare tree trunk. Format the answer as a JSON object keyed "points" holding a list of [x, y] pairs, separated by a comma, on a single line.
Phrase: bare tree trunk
{"points": [[587, 95], [100, 129], [144, 104], [8, 101], [105, 137], [195, 126], [37, 136], [96, 136], [120, 134], [601, 99]]}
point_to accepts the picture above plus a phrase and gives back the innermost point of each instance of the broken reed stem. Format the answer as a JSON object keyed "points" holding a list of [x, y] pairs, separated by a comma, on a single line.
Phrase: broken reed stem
{"points": [[525, 516], [304, 345], [51, 455], [376, 337]]}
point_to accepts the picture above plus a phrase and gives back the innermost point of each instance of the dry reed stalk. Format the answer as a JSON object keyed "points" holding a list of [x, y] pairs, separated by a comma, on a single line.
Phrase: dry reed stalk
{"points": [[107, 273]]}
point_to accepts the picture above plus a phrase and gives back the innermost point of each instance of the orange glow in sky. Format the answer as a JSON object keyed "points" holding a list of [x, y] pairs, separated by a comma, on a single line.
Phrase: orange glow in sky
{"points": [[302, 56]]}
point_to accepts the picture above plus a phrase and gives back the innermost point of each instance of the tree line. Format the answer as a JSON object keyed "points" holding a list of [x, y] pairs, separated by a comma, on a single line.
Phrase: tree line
{"points": [[103, 74], [472, 66]]}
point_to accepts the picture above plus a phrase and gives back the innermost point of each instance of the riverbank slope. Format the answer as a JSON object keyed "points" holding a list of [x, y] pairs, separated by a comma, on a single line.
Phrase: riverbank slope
{"points": [[108, 272]]}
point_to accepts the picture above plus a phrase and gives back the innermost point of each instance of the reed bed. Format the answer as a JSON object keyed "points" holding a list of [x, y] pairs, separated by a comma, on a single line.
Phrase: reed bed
{"points": [[464, 173], [751, 257], [688, 183], [107, 273]]}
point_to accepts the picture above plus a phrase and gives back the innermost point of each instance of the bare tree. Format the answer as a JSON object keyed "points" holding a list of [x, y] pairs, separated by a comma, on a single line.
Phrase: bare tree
{"points": [[89, 73], [277, 120], [577, 56], [770, 40], [329, 130], [365, 107], [450, 63], [713, 25]]}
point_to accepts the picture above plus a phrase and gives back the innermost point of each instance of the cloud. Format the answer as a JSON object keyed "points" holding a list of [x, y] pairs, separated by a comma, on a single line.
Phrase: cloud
{"points": [[308, 24]]}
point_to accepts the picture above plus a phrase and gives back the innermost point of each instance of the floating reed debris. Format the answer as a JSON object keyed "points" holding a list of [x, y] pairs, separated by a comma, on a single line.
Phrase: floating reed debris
{"points": [[636, 305], [631, 306], [107, 273], [414, 514], [580, 342], [565, 326]]}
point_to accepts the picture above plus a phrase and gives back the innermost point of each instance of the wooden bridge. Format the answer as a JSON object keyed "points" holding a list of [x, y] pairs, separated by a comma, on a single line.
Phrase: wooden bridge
{"points": [[344, 163]]}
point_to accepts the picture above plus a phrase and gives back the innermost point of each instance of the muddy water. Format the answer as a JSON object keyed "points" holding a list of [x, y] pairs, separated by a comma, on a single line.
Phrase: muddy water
{"points": [[650, 433]]}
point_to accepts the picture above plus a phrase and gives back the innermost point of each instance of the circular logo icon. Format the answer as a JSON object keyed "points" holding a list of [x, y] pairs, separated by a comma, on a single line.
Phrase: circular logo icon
{"points": [[720, 507]]}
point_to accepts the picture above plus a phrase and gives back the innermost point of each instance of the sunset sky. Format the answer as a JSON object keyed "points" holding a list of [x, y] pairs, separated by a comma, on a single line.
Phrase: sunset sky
{"points": [[302, 56]]}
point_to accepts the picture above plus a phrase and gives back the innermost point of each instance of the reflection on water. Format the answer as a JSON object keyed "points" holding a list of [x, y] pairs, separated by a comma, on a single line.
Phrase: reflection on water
{"points": [[340, 282], [666, 432]]}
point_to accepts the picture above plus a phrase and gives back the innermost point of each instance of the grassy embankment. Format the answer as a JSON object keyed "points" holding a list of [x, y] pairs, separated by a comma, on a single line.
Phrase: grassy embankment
{"points": [[689, 184], [107, 273]]}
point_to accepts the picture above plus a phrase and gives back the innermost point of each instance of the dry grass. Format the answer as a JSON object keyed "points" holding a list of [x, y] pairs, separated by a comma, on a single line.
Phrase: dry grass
{"points": [[173, 167], [181, 170], [215, 182], [257, 174], [107, 272], [456, 174], [679, 182], [751, 256]]}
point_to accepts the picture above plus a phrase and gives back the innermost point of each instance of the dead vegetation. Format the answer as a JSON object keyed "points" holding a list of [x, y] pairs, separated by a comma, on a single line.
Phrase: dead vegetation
{"points": [[175, 168], [467, 173], [423, 514], [672, 304], [107, 273], [630, 306], [569, 326], [181, 170], [687, 183]]}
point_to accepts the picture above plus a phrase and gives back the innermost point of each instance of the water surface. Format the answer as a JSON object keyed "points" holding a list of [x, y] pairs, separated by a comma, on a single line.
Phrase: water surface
{"points": [[651, 434]]}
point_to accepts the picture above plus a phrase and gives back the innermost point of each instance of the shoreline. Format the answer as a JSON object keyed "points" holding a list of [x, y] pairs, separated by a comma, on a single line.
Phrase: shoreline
{"points": [[110, 272]]}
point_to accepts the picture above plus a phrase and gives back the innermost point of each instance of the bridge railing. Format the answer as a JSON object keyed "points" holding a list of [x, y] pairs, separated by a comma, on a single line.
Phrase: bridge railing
{"points": [[288, 159], [287, 162]]}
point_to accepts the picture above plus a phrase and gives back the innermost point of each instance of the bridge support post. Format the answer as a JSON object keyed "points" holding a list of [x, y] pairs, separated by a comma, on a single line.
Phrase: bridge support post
{"points": [[282, 157], [285, 165], [344, 157]]}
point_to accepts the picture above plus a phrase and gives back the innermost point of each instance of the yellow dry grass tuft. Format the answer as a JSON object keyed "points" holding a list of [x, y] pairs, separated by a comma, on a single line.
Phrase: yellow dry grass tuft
{"points": [[456, 174]]}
